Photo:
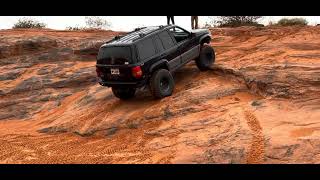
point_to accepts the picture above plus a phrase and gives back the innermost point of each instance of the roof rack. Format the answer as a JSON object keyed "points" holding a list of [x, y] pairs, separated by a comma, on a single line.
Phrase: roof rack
{"points": [[117, 37], [135, 35]]}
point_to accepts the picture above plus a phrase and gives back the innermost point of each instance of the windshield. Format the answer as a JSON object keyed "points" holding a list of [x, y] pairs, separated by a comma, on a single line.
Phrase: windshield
{"points": [[114, 55]]}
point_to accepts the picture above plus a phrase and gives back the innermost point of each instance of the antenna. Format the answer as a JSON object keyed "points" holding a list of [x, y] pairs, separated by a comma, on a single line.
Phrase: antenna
{"points": [[118, 37], [139, 28], [142, 35]]}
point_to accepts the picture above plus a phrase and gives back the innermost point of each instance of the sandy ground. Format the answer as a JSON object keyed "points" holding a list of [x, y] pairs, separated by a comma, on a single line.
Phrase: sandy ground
{"points": [[259, 104]]}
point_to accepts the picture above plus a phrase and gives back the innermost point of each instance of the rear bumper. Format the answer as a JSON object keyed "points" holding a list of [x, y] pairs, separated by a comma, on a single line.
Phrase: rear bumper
{"points": [[122, 84]]}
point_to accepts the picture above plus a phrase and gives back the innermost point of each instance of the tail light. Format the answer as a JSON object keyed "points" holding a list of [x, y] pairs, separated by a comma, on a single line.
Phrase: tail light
{"points": [[98, 70], [137, 72]]}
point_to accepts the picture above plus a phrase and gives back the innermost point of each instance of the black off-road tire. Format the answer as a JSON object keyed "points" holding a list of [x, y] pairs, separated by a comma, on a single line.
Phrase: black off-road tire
{"points": [[123, 93], [206, 58], [161, 84]]}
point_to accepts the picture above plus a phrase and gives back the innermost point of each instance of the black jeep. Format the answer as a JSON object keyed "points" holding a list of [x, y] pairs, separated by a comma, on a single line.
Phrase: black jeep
{"points": [[149, 56]]}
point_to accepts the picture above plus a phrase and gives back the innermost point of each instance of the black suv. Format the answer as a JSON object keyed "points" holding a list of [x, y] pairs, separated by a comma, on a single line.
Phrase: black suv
{"points": [[149, 56]]}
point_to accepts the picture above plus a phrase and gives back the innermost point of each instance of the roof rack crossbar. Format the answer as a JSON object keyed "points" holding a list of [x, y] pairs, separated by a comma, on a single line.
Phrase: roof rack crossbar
{"points": [[127, 37]]}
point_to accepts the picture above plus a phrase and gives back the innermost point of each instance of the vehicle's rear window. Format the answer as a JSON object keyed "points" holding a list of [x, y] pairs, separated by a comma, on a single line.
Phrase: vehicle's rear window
{"points": [[114, 55]]}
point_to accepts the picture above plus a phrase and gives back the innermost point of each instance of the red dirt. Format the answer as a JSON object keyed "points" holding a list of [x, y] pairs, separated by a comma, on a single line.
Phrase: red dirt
{"points": [[259, 104]]}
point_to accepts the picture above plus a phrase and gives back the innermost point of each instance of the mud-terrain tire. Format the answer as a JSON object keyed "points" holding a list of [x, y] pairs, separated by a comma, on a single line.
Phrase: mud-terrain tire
{"points": [[161, 84], [206, 58], [123, 93]]}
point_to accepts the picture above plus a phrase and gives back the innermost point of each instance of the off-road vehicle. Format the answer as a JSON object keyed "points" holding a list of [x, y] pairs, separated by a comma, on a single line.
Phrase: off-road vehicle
{"points": [[149, 56]]}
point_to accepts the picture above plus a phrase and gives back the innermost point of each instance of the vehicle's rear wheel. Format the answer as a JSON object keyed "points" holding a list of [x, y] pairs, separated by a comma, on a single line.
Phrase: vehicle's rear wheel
{"points": [[206, 58], [161, 84], [123, 93]]}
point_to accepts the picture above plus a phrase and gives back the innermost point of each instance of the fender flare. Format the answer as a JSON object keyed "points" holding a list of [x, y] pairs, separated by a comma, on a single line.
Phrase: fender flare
{"points": [[162, 62], [205, 37]]}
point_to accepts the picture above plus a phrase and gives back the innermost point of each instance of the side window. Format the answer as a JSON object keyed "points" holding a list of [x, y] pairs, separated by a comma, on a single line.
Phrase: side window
{"points": [[146, 49], [158, 43], [166, 40], [176, 30], [179, 34]]}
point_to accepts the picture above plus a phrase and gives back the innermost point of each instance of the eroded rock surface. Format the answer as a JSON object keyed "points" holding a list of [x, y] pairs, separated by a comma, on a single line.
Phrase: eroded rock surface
{"points": [[260, 103]]}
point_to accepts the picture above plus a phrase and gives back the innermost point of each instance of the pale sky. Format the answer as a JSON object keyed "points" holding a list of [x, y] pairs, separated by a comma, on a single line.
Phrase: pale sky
{"points": [[127, 23]]}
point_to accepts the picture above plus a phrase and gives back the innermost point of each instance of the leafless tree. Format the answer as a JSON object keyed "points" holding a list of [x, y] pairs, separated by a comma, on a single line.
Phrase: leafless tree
{"points": [[96, 22]]}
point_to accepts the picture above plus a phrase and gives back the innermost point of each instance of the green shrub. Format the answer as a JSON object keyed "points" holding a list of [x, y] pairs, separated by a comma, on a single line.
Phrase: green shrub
{"points": [[236, 21], [28, 23], [292, 22]]}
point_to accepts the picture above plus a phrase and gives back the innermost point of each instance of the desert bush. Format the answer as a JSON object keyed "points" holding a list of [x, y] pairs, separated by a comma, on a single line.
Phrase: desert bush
{"points": [[92, 23], [28, 23], [210, 23], [271, 23], [76, 28], [235, 21], [292, 22], [95, 22]]}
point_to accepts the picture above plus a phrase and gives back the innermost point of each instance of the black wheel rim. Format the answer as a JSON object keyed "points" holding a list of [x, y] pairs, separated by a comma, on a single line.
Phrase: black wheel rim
{"points": [[209, 58], [164, 84]]}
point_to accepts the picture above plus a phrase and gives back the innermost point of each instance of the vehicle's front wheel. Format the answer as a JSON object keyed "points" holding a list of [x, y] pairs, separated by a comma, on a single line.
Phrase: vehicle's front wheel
{"points": [[206, 58], [161, 84], [123, 93]]}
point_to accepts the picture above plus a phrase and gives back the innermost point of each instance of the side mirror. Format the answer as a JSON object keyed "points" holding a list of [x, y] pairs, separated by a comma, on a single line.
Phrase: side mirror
{"points": [[191, 34]]}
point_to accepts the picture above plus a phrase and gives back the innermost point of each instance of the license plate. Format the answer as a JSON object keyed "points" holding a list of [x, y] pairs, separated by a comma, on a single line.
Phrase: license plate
{"points": [[115, 71]]}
